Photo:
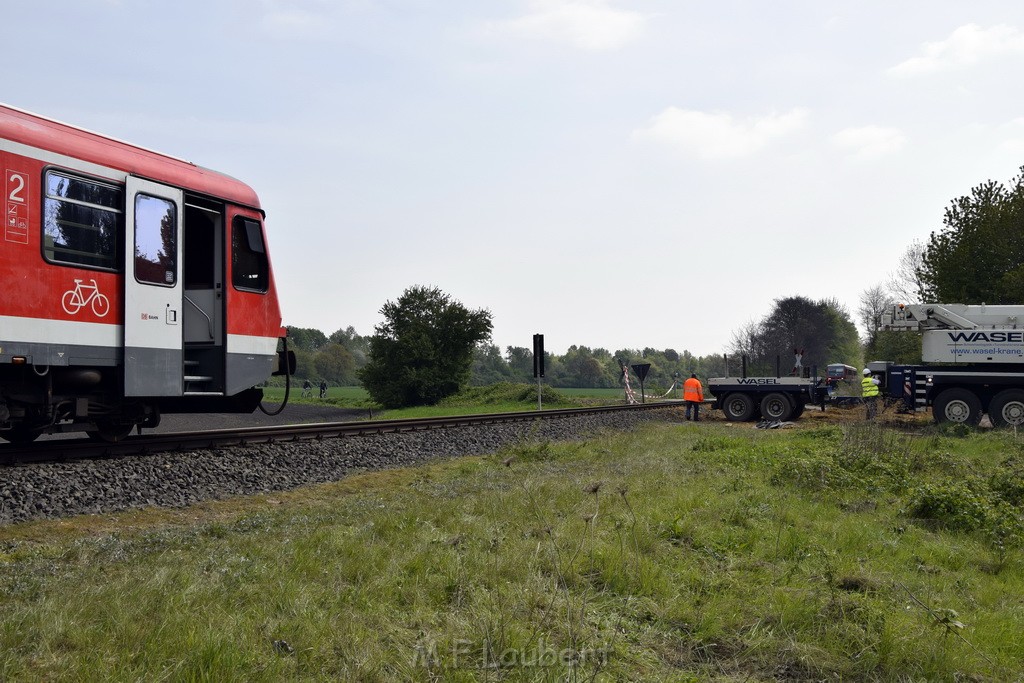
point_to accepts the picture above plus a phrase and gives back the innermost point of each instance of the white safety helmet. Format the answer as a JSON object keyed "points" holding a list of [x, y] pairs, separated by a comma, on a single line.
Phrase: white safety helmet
{"points": [[866, 371]]}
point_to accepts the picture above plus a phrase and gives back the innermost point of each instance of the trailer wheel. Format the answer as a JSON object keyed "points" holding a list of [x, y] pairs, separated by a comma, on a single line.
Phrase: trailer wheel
{"points": [[1007, 408], [776, 406], [738, 408], [957, 405], [798, 411]]}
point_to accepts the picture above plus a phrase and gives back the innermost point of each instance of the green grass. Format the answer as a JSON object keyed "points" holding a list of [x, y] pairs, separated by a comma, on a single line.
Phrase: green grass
{"points": [[495, 398], [611, 394], [603, 396], [672, 553], [354, 397]]}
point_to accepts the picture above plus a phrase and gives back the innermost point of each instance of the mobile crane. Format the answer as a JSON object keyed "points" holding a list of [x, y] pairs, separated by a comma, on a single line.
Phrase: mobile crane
{"points": [[979, 356]]}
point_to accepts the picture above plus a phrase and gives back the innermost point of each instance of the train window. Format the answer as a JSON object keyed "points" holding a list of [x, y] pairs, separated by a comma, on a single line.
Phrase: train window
{"points": [[249, 268], [82, 220], [156, 243]]}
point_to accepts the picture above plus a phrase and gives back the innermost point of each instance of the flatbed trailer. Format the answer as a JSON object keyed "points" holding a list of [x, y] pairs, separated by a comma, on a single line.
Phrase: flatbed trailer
{"points": [[742, 399]]}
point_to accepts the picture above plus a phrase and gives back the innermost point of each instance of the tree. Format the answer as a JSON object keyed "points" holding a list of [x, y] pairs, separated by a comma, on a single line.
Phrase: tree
{"points": [[746, 340], [978, 257], [583, 368], [710, 366], [900, 347], [520, 361], [905, 282], [305, 364], [822, 330], [873, 302], [488, 366], [844, 343], [423, 351], [306, 338], [357, 345], [335, 364]]}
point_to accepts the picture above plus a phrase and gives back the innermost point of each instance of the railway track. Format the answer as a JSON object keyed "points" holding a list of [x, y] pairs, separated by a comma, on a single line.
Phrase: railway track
{"points": [[63, 478], [77, 449]]}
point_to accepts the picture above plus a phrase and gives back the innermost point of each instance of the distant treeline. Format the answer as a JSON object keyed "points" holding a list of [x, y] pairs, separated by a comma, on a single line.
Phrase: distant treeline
{"points": [[338, 357], [821, 329]]}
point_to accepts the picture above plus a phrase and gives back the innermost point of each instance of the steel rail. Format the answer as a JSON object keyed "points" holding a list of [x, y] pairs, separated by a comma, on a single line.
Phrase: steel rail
{"points": [[79, 449]]}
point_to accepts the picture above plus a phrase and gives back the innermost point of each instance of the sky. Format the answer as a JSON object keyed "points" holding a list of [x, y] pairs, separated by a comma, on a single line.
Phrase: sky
{"points": [[609, 173]]}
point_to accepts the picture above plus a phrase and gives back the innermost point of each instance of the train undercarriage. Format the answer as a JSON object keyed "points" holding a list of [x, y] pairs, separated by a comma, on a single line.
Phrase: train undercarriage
{"points": [[90, 400]]}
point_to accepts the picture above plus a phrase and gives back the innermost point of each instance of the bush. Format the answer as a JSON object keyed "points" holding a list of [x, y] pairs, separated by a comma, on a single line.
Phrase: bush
{"points": [[866, 457], [711, 444], [952, 505], [423, 351], [955, 430], [1008, 483], [810, 470]]}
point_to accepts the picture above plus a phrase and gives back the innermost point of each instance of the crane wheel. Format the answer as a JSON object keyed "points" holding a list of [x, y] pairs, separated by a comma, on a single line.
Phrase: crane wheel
{"points": [[1007, 408], [957, 405]]}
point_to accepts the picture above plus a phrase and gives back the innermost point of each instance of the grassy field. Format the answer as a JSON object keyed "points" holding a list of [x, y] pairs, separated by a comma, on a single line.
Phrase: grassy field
{"points": [[496, 398], [335, 395], [679, 552], [360, 394]]}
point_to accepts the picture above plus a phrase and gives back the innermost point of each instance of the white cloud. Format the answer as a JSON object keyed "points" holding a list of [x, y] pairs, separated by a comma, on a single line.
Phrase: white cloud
{"points": [[717, 135], [966, 46], [870, 142], [296, 19], [1012, 146], [586, 24], [1012, 134]]}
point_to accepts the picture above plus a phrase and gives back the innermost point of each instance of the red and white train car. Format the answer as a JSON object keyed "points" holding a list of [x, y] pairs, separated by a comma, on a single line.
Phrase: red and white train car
{"points": [[131, 283]]}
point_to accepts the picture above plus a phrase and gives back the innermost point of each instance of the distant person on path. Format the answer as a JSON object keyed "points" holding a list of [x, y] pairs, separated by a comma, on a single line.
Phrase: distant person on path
{"points": [[693, 394], [323, 388], [869, 390], [307, 388]]}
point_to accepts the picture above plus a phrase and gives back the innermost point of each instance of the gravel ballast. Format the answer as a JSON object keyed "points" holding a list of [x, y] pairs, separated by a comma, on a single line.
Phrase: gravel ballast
{"points": [[55, 490]]}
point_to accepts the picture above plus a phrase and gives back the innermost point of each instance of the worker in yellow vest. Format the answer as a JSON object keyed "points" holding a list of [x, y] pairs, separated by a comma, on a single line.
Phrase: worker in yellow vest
{"points": [[869, 390]]}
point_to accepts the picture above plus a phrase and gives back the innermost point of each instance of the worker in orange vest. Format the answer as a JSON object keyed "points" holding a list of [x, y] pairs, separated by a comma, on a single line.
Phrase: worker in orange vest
{"points": [[693, 394]]}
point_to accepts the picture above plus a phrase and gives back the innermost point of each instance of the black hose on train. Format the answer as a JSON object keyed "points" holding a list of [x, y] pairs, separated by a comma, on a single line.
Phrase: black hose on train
{"points": [[287, 382]]}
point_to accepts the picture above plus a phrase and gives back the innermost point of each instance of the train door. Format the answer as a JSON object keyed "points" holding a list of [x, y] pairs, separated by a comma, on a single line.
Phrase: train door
{"points": [[153, 290], [203, 315]]}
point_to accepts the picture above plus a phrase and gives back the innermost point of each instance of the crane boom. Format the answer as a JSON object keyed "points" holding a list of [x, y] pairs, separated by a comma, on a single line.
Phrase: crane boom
{"points": [[962, 333]]}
